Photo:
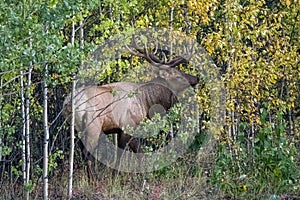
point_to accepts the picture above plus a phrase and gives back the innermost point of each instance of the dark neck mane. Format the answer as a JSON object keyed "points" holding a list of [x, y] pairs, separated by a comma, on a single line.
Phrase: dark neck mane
{"points": [[157, 92]]}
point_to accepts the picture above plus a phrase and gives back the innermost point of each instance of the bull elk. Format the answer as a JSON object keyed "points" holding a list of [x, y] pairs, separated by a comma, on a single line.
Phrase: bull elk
{"points": [[109, 108]]}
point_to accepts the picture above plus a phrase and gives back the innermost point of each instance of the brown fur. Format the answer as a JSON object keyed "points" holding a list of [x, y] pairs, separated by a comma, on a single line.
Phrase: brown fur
{"points": [[110, 108]]}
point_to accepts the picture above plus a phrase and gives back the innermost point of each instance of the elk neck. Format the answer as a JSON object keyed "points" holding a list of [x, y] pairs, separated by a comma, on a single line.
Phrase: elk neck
{"points": [[157, 92]]}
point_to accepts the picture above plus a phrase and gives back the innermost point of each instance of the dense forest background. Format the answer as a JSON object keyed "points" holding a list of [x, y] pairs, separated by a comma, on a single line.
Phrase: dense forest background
{"points": [[254, 44]]}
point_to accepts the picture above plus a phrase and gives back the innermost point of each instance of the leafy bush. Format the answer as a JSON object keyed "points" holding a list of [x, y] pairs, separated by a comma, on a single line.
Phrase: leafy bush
{"points": [[260, 165]]}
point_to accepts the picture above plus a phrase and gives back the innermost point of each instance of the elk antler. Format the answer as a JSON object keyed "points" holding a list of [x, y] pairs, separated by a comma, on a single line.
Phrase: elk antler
{"points": [[134, 49]]}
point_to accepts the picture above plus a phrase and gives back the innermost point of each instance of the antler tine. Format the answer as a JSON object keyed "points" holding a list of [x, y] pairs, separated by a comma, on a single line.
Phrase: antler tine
{"points": [[152, 58], [177, 61], [144, 53], [138, 50], [180, 59], [156, 47]]}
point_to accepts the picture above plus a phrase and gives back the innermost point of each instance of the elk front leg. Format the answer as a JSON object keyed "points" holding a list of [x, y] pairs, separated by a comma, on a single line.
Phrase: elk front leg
{"points": [[134, 144], [125, 140]]}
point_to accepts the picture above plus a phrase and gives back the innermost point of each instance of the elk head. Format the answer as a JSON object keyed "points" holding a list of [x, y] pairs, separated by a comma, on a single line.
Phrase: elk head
{"points": [[176, 80]]}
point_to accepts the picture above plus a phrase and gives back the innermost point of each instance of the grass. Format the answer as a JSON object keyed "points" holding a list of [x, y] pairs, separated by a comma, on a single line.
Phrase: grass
{"points": [[182, 180], [185, 179], [188, 178]]}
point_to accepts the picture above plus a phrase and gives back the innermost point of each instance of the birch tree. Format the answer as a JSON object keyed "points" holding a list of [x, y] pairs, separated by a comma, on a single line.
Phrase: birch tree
{"points": [[72, 130]]}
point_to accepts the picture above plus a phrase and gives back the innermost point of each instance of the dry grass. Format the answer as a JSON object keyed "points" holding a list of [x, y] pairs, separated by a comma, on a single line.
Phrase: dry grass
{"points": [[187, 178]]}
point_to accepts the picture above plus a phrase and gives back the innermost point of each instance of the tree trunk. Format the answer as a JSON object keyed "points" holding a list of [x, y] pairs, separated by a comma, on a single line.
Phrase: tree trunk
{"points": [[72, 131], [23, 127], [46, 134], [27, 125]]}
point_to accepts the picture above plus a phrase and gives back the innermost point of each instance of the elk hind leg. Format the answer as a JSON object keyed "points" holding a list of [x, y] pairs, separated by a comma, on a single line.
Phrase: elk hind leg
{"points": [[90, 142]]}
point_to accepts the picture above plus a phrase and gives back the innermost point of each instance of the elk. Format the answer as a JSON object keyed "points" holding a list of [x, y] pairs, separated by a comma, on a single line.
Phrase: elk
{"points": [[109, 108]]}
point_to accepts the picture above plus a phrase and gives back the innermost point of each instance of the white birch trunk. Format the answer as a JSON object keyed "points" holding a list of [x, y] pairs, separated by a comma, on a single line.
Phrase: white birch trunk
{"points": [[27, 125], [72, 131], [23, 126], [46, 135]]}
